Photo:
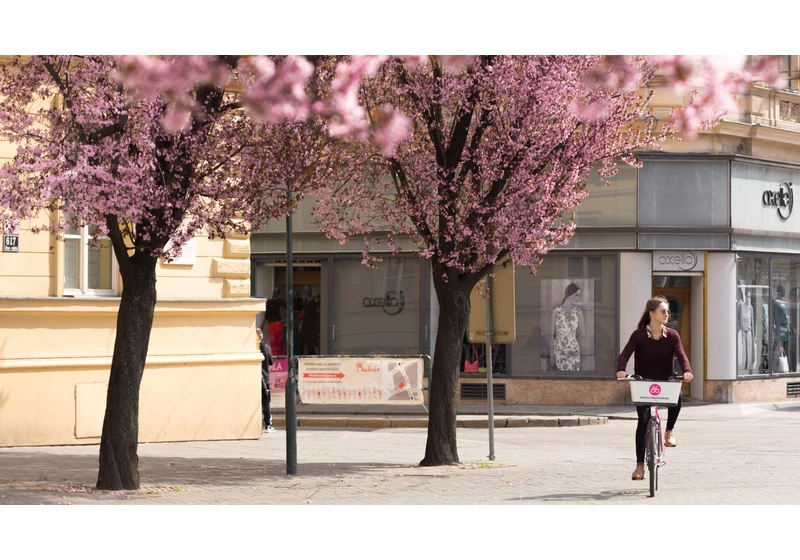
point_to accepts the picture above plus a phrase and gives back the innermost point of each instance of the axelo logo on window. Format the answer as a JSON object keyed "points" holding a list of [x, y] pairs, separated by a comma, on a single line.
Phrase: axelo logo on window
{"points": [[392, 303], [782, 199]]}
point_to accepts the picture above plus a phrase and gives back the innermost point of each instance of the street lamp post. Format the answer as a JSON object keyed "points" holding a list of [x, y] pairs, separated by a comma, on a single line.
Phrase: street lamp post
{"points": [[291, 382]]}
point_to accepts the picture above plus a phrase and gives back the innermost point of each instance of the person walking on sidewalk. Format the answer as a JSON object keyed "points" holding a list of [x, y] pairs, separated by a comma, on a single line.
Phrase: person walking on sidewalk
{"points": [[266, 396], [654, 344]]}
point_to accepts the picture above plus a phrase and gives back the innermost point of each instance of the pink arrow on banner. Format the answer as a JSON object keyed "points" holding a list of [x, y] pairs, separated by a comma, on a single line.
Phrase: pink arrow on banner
{"points": [[337, 375]]}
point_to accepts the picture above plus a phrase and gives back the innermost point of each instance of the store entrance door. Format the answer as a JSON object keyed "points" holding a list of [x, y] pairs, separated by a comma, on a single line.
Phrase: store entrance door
{"points": [[678, 291], [270, 282]]}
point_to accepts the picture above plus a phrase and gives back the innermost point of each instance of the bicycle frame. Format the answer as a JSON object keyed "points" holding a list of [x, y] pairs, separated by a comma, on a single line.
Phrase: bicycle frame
{"points": [[655, 416]]}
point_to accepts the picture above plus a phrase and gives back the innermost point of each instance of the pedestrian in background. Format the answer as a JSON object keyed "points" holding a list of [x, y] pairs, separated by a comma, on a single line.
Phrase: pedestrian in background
{"points": [[266, 399]]}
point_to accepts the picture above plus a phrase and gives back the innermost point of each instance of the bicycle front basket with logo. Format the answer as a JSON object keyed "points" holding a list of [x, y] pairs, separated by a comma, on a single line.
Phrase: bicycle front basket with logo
{"points": [[662, 393]]}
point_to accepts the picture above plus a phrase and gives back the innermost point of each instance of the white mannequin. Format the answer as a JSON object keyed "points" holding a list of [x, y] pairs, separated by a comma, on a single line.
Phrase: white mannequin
{"points": [[745, 331]]}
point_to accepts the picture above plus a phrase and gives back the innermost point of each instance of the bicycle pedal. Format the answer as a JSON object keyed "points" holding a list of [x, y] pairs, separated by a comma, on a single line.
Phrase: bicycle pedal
{"points": [[661, 462]]}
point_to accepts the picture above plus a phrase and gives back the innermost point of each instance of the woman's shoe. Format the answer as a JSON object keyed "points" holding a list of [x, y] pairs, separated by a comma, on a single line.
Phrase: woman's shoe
{"points": [[669, 439], [638, 473]]}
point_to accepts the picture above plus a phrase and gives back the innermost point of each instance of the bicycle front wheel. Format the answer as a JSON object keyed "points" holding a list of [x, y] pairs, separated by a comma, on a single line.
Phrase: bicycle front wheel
{"points": [[652, 457]]}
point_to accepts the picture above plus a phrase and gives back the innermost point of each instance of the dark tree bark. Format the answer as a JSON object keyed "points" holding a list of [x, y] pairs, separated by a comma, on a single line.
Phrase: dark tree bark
{"points": [[119, 461], [454, 308]]}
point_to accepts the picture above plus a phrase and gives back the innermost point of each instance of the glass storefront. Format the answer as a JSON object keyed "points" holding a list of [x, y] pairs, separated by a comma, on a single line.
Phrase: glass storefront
{"points": [[376, 310], [566, 318], [767, 315], [565, 314], [308, 305]]}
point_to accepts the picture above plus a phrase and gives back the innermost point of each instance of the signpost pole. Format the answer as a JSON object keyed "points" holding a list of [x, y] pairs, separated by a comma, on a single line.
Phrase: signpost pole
{"points": [[489, 388], [291, 381]]}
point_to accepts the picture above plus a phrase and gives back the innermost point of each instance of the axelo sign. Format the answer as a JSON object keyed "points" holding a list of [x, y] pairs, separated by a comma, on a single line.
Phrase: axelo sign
{"points": [[391, 303], [678, 261], [782, 199]]}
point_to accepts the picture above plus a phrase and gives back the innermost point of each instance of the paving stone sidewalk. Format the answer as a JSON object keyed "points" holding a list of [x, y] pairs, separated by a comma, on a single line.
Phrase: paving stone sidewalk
{"points": [[727, 454]]}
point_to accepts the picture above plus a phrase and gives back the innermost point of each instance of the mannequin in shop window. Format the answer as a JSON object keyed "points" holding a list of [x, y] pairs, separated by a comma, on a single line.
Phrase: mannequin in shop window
{"points": [[567, 323], [275, 321], [781, 329], [746, 348]]}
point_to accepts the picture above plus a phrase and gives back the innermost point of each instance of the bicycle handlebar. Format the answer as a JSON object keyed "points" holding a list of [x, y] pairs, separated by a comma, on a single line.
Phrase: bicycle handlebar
{"points": [[635, 377]]}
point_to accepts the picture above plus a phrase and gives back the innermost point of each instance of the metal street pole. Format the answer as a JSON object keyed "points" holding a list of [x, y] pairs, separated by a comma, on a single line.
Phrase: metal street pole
{"points": [[489, 388], [291, 381]]}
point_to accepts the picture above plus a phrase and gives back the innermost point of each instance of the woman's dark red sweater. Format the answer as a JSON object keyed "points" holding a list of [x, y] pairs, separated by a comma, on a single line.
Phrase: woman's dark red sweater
{"points": [[653, 358]]}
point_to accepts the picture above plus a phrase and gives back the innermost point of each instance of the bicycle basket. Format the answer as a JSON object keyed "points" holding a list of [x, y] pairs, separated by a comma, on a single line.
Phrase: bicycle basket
{"points": [[664, 393]]}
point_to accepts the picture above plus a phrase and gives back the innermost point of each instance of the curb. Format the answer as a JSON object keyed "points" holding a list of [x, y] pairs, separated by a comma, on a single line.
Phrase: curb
{"points": [[502, 422]]}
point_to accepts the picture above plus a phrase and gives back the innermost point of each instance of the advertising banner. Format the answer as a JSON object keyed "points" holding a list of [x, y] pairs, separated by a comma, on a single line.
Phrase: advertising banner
{"points": [[278, 372], [360, 380]]}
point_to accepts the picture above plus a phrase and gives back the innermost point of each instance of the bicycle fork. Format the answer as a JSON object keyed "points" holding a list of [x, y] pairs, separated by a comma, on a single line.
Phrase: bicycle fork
{"points": [[660, 457]]}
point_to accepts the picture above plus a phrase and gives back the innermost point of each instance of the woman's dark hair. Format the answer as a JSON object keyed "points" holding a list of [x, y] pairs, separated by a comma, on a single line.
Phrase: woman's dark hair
{"points": [[571, 289], [652, 305]]}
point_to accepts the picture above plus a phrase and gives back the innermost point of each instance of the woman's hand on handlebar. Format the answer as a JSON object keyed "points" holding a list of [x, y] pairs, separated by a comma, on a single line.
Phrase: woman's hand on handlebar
{"points": [[621, 374]]}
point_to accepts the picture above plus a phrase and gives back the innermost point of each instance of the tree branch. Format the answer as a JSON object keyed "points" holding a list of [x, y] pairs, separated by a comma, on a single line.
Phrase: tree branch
{"points": [[120, 248], [401, 181]]}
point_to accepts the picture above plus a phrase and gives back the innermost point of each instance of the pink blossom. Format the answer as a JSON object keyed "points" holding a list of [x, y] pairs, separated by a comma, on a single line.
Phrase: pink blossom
{"points": [[393, 130], [592, 112]]}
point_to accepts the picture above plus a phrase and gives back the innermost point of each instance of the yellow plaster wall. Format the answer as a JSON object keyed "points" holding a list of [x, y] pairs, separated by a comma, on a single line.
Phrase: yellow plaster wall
{"points": [[201, 381], [29, 272], [221, 270]]}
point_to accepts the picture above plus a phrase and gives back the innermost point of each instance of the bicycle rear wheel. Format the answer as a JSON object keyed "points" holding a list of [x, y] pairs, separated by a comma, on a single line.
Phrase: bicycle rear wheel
{"points": [[652, 456]]}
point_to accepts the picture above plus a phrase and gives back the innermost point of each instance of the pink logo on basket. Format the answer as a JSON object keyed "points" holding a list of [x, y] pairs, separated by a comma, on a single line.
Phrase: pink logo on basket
{"points": [[655, 389]]}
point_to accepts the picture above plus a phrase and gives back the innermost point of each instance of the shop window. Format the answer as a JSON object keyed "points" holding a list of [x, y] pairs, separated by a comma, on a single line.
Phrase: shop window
{"points": [[90, 267], [767, 316], [683, 193], [376, 310], [612, 204], [787, 66], [270, 281], [566, 318]]}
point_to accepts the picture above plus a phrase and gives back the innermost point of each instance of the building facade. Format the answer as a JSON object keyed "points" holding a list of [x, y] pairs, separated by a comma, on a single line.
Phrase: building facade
{"points": [[58, 310], [708, 223]]}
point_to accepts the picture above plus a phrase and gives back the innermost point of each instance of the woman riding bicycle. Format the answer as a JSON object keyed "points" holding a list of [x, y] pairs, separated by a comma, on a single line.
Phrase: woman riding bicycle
{"points": [[654, 344]]}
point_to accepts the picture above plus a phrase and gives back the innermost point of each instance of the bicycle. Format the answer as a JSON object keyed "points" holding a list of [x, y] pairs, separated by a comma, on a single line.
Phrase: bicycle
{"points": [[649, 392]]}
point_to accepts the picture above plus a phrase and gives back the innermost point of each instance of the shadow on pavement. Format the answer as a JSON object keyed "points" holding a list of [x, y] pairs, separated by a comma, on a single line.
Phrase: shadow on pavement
{"points": [[777, 408], [37, 471], [599, 497]]}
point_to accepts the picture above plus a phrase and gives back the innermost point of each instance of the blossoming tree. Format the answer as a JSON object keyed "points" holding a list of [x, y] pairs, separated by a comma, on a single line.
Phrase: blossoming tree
{"points": [[493, 166], [91, 153]]}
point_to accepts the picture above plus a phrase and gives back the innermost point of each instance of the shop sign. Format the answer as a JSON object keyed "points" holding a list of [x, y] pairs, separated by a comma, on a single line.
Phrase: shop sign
{"points": [[782, 199], [678, 261], [360, 380], [391, 304]]}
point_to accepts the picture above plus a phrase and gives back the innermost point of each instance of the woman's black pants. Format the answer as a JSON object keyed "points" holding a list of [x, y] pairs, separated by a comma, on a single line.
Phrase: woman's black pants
{"points": [[641, 427]]}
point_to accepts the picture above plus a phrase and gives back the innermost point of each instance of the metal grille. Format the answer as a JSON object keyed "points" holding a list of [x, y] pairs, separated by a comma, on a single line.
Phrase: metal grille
{"points": [[793, 389], [481, 391]]}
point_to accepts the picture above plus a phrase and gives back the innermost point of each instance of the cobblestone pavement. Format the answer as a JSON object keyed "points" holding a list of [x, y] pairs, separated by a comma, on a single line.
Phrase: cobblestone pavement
{"points": [[727, 454]]}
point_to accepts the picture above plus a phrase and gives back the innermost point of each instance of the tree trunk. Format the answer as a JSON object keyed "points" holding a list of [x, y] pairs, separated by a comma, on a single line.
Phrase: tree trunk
{"points": [[119, 461], [454, 307]]}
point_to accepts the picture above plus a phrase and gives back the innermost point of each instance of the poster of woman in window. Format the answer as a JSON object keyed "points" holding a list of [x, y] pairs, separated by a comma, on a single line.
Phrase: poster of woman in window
{"points": [[567, 339]]}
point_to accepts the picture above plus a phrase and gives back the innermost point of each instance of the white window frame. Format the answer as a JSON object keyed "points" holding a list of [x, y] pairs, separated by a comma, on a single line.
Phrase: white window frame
{"points": [[83, 290], [789, 68]]}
